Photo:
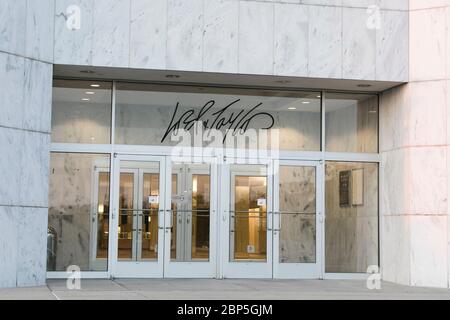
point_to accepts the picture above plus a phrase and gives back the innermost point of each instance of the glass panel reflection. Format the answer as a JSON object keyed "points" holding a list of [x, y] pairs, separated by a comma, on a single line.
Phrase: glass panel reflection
{"points": [[78, 214], [191, 212], [103, 215], [150, 211], [351, 226], [249, 218], [126, 216]]}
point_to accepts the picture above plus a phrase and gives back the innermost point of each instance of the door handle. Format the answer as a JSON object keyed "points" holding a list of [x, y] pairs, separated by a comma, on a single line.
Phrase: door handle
{"points": [[171, 220]]}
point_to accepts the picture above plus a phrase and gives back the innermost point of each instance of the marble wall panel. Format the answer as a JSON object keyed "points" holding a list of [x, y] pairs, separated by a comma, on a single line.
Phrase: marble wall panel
{"points": [[73, 46], [220, 37], [256, 38], [396, 249], [111, 33], [427, 44], [12, 73], [394, 105], [185, 35], [426, 169], [325, 42], [394, 195], [359, 45], [34, 161], [426, 113], [39, 32], [32, 246], [426, 4], [392, 46], [148, 34], [11, 141], [13, 26], [291, 40], [8, 245], [429, 248], [38, 100]]}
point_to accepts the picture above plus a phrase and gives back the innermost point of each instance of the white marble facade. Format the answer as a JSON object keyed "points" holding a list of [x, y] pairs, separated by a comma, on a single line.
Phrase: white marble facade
{"points": [[415, 156], [308, 38], [26, 53], [304, 38]]}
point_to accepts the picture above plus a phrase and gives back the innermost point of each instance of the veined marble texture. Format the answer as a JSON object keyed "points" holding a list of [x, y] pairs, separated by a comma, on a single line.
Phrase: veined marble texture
{"points": [[392, 51], [184, 35], [298, 214], [311, 38], [32, 245], [291, 40], [325, 42], [12, 26], [111, 33], [12, 74], [148, 34], [74, 46], [35, 158], [38, 100], [22, 246], [39, 32], [220, 37], [11, 141], [8, 246], [427, 44], [359, 45], [256, 38]]}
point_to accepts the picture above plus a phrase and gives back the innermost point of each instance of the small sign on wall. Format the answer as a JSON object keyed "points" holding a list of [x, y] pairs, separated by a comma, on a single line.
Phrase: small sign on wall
{"points": [[261, 202], [344, 188], [153, 199]]}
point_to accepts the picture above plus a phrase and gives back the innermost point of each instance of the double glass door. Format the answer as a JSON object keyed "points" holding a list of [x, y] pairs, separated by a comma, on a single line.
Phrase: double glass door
{"points": [[164, 215], [204, 219], [273, 220]]}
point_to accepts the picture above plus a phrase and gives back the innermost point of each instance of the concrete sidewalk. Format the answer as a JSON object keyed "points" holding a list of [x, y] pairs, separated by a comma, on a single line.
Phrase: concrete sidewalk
{"points": [[202, 289]]}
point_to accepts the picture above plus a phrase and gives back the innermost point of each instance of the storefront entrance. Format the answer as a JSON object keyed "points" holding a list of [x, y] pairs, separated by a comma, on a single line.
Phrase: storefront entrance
{"points": [[211, 219]]}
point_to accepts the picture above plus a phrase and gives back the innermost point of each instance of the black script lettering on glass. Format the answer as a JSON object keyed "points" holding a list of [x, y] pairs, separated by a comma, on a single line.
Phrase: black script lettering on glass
{"points": [[236, 122]]}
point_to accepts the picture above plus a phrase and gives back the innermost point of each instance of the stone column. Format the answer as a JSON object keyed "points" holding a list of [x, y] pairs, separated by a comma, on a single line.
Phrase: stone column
{"points": [[415, 168], [26, 55]]}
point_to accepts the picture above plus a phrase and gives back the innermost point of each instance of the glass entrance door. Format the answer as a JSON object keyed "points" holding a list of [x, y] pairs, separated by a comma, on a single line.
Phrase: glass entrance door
{"points": [[248, 220], [165, 217], [139, 216], [190, 236], [273, 220], [297, 220]]}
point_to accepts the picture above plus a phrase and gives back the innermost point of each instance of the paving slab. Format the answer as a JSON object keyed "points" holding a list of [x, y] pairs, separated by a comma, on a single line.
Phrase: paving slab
{"points": [[228, 289]]}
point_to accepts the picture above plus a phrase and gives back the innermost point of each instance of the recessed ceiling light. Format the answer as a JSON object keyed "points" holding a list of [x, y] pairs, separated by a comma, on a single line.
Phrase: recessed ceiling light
{"points": [[90, 92], [87, 71], [319, 96], [172, 76], [95, 85], [292, 108], [364, 85], [85, 99], [305, 102]]}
